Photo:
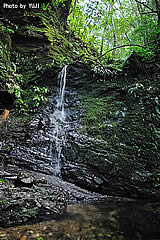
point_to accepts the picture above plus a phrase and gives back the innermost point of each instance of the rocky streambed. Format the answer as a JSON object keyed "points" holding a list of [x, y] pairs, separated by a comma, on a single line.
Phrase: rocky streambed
{"points": [[131, 221], [30, 197]]}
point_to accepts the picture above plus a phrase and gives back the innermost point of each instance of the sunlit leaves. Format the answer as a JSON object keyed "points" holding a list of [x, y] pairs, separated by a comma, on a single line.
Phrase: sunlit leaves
{"points": [[92, 21], [56, 3]]}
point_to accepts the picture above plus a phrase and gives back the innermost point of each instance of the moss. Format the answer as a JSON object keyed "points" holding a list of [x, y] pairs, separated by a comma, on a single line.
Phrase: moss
{"points": [[99, 119], [3, 202]]}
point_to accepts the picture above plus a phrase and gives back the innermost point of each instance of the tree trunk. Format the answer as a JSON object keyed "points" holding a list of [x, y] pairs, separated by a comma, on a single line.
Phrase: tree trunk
{"points": [[104, 30], [157, 3], [115, 39], [114, 32]]}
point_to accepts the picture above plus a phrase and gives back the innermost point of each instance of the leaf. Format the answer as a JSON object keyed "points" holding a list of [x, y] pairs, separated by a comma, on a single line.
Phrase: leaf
{"points": [[1, 181], [11, 91]]}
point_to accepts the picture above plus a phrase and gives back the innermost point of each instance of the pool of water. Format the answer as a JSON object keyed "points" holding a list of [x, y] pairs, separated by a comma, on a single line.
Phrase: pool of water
{"points": [[131, 221]]}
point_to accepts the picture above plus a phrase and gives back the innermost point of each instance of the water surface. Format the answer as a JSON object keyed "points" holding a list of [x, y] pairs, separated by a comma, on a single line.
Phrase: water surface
{"points": [[131, 221]]}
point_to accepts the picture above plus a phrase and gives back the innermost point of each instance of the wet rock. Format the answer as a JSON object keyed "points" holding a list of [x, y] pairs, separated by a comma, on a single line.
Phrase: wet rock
{"points": [[25, 205], [78, 75], [87, 164], [24, 180]]}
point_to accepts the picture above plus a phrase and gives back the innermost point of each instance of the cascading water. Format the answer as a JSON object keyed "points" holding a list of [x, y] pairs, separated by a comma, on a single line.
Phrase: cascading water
{"points": [[43, 150], [59, 123]]}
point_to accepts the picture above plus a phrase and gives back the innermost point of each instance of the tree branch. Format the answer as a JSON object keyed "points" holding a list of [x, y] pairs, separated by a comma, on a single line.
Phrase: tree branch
{"points": [[154, 12], [145, 5], [127, 45]]}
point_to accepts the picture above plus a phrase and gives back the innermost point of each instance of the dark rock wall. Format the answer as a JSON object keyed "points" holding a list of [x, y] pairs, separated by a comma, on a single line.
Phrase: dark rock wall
{"points": [[120, 156]]}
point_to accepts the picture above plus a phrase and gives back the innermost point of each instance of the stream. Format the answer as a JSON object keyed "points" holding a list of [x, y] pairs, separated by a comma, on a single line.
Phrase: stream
{"points": [[133, 221]]}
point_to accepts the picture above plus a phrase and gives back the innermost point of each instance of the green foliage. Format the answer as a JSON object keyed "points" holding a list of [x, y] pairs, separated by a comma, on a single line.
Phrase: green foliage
{"points": [[146, 30], [41, 67], [64, 48], [9, 78], [134, 89], [99, 117], [31, 98], [14, 82], [3, 201], [39, 95], [106, 24], [14, 89], [56, 3], [45, 6], [147, 54], [6, 29], [2, 181], [56, 35]]}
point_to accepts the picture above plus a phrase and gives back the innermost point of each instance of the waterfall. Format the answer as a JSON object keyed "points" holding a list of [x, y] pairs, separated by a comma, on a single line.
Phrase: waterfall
{"points": [[59, 123]]}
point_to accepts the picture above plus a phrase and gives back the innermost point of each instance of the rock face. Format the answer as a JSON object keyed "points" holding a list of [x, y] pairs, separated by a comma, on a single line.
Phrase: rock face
{"points": [[79, 75], [113, 152], [108, 148], [90, 163], [19, 205]]}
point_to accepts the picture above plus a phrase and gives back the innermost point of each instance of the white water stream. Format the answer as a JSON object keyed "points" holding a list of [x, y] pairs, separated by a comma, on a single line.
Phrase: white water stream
{"points": [[59, 123]]}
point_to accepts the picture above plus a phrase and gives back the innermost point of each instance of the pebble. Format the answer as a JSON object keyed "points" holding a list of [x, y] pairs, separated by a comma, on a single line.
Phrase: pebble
{"points": [[24, 237]]}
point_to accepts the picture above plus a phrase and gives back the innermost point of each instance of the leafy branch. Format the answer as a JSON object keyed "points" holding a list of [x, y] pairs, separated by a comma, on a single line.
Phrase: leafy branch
{"points": [[145, 5], [122, 46]]}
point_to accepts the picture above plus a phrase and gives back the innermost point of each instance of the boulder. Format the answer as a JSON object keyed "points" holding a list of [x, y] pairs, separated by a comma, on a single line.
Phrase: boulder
{"points": [[19, 205]]}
